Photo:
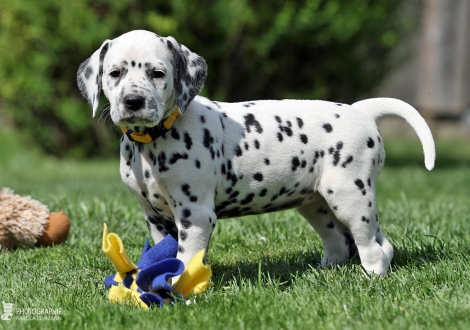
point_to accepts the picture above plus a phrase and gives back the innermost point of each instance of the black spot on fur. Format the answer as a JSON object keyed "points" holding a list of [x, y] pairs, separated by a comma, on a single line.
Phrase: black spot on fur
{"points": [[188, 141], [238, 151], [234, 194], [162, 162], [263, 192], [287, 130], [186, 223], [88, 72], [247, 199], [370, 143], [197, 163], [330, 225], [365, 219], [347, 161], [177, 156], [322, 211], [280, 137], [283, 206], [304, 138], [306, 191], [222, 122], [186, 213], [140, 146], [185, 188], [266, 161], [361, 186], [295, 163], [300, 122], [174, 134], [328, 128], [258, 176], [208, 141], [250, 121], [336, 153]]}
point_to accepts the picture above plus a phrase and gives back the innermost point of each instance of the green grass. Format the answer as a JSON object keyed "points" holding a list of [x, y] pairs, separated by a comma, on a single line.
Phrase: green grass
{"points": [[270, 283]]}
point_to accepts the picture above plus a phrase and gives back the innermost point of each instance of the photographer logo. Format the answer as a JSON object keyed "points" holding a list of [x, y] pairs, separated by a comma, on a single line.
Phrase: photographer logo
{"points": [[7, 311]]}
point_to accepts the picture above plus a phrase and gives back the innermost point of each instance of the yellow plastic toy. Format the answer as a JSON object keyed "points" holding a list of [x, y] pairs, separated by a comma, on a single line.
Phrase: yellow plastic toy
{"points": [[147, 282]]}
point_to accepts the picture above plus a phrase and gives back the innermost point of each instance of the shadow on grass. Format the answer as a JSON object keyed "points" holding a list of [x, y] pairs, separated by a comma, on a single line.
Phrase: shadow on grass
{"points": [[283, 269], [420, 252]]}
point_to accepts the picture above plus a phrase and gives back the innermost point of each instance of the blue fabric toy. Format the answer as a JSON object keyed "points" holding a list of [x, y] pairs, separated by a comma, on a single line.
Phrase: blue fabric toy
{"points": [[147, 282]]}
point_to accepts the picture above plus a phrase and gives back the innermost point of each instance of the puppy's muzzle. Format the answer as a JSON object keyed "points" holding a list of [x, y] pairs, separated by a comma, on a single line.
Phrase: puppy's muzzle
{"points": [[134, 102]]}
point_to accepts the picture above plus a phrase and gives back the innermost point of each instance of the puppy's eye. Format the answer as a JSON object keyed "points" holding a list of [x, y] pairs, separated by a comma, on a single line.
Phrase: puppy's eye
{"points": [[115, 73], [157, 74]]}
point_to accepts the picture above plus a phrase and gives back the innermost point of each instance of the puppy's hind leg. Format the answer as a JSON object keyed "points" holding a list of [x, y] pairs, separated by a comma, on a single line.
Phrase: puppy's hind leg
{"points": [[353, 202], [337, 241]]}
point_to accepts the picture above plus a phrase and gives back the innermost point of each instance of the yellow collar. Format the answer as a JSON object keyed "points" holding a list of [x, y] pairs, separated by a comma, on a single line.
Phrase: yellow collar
{"points": [[150, 134]]}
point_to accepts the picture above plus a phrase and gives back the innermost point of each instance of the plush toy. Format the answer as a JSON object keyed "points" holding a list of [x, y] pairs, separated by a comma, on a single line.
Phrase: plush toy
{"points": [[147, 282], [25, 221]]}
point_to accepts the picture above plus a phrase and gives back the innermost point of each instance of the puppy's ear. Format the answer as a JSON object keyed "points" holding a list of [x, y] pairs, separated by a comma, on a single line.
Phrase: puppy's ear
{"points": [[190, 72], [89, 76]]}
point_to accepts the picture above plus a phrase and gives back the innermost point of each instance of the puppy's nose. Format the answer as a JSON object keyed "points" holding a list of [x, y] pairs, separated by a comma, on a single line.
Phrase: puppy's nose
{"points": [[134, 102]]}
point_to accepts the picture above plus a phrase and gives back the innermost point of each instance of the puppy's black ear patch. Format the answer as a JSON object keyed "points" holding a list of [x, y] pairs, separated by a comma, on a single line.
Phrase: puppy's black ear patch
{"points": [[89, 76], [190, 72]]}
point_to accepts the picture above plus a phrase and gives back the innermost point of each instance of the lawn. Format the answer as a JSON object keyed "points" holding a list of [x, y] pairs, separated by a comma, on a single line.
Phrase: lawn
{"points": [[264, 267]]}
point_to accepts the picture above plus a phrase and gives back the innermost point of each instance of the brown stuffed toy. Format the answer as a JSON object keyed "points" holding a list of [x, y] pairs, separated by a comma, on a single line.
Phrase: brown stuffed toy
{"points": [[26, 221]]}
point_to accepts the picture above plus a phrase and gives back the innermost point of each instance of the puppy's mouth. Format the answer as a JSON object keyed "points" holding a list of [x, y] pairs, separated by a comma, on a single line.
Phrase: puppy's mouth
{"points": [[136, 121], [142, 118], [136, 110]]}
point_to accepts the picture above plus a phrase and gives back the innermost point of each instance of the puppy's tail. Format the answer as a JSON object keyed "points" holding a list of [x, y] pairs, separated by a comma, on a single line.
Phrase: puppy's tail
{"points": [[379, 107]]}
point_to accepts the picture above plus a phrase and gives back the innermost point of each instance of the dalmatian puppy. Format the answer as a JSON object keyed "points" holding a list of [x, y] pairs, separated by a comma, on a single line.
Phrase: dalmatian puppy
{"points": [[190, 161]]}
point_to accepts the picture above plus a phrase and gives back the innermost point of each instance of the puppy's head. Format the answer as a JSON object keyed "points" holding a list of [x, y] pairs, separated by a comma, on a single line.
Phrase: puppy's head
{"points": [[144, 76]]}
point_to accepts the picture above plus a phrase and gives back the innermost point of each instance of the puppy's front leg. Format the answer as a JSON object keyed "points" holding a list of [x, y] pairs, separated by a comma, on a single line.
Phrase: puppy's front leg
{"points": [[195, 224]]}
